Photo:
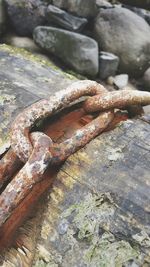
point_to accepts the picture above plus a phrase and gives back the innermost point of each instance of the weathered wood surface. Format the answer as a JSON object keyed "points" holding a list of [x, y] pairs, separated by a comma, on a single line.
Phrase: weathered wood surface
{"points": [[24, 79], [97, 212]]}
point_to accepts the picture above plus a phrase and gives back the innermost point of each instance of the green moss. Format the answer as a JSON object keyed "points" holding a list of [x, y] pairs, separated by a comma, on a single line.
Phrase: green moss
{"points": [[71, 74], [46, 258], [5, 98], [41, 263], [104, 250], [34, 58]]}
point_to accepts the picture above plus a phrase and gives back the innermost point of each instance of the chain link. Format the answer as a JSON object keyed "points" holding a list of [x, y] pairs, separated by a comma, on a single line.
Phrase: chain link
{"points": [[38, 151]]}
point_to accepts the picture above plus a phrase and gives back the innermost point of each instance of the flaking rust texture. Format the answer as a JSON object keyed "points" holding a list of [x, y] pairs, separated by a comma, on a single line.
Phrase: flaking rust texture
{"points": [[24, 79], [44, 108], [99, 201], [98, 209], [117, 99]]}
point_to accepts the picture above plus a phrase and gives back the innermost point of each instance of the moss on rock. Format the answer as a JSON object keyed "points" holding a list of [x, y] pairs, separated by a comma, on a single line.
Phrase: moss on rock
{"points": [[36, 58]]}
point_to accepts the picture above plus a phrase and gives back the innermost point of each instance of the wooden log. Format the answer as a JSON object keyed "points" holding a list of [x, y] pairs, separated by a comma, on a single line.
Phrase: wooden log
{"points": [[97, 209]]}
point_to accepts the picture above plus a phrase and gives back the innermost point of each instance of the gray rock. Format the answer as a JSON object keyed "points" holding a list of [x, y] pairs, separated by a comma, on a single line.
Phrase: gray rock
{"points": [[26, 15], [121, 81], [64, 19], [137, 3], [103, 4], [146, 79], [81, 8], [108, 64], [76, 50], [2, 17], [145, 14], [21, 42], [127, 35]]}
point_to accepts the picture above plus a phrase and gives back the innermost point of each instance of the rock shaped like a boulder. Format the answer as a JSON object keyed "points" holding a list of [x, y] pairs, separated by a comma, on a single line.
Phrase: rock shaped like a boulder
{"points": [[76, 50], [127, 35], [65, 20], [25, 15], [145, 14], [81, 8], [108, 64]]}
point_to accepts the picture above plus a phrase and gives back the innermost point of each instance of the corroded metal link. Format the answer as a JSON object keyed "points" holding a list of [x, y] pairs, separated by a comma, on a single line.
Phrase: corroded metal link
{"points": [[9, 165], [119, 99], [20, 140], [40, 149], [29, 175], [45, 153], [83, 136]]}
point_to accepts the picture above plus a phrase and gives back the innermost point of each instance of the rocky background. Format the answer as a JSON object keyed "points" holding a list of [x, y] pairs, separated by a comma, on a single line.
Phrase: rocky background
{"points": [[100, 39], [91, 214]]}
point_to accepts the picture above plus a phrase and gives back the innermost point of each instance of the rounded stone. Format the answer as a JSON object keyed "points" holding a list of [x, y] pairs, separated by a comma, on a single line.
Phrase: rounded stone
{"points": [[108, 64], [127, 35], [76, 50], [64, 20], [25, 15], [81, 8], [145, 14], [121, 81]]}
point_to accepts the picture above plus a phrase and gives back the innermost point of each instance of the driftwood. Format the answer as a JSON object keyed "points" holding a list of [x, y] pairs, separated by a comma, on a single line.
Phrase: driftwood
{"points": [[96, 207]]}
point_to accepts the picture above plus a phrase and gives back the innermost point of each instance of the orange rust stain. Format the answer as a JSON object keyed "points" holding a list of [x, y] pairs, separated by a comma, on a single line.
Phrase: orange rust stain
{"points": [[119, 117], [65, 125], [58, 129], [20, 214]]}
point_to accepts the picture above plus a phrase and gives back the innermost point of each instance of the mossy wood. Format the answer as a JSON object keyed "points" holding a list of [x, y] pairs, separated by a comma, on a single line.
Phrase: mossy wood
{"points": [[96, 213]]}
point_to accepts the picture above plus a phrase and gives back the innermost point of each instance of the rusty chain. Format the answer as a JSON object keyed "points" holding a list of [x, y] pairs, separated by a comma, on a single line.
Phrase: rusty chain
{"points": [[38, 151]]}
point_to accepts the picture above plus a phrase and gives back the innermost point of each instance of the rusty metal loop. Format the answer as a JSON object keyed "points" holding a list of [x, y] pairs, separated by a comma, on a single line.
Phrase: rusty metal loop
{"points": [[38, 150], [20, 140], [81, 137], [45, 153], [20, 133], [29, 175], [116, 99]]}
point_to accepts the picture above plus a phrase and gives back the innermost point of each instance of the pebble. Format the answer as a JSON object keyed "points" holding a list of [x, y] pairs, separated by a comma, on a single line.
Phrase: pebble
{"points": [[108, 64], [121, 81]]}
